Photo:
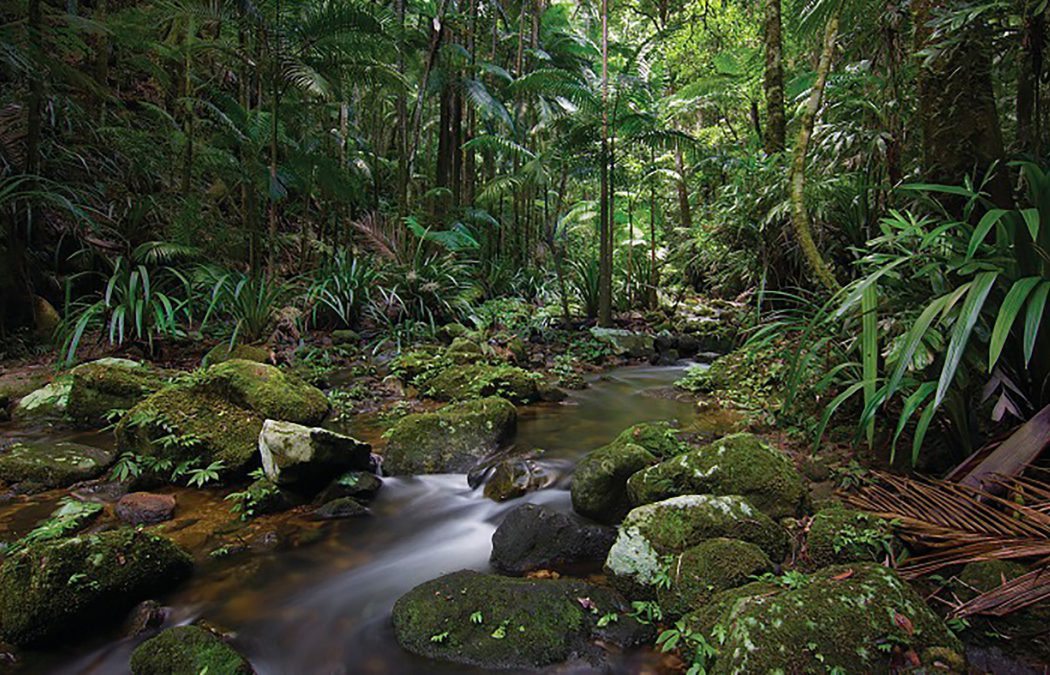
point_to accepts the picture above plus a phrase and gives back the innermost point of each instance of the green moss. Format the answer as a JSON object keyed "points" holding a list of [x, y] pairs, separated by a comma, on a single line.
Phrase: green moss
{"points": [[740, 464], [222, 352], [182, 423], [849, 618], [659, 438], [710, 567], [599, 483], [465, 382], [187, 650], [46, 403], [500, 622], [451, 439], [650, 533], [418, 366], [52, 465], [839, 535], [266, 390], [56, 588], [463, 351], [109, 384]]}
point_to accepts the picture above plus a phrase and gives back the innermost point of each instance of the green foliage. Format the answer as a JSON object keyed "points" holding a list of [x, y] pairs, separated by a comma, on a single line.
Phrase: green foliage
{"points": [[249, 302], [70, 516], [340, 291]]}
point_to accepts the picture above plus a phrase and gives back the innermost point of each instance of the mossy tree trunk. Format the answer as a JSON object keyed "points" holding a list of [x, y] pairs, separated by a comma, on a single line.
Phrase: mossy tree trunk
{"points": [[774, 80]]}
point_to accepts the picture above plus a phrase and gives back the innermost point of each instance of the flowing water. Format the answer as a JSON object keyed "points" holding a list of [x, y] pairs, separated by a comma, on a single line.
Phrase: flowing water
{"points": [[325, 607]]}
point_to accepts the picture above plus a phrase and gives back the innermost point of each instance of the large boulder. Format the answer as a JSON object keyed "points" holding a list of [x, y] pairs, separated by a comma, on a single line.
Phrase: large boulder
{"points": [[54, 589], [51, 465], [839, 535], [466, 382], [740, 464], [651, 535], [266, 390], [187, 650], [102, 386], [305, 458], [496, 622], [848, 619], [535, 537], [452, 439], [599, 483], [714, 565]]}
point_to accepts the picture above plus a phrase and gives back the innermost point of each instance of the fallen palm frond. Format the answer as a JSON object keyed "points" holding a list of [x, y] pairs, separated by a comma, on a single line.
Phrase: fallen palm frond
{"points": [[1013, 595]]}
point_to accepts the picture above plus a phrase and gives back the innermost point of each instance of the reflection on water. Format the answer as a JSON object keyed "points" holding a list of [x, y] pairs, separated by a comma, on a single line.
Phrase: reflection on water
{"points": [[325, 608]]}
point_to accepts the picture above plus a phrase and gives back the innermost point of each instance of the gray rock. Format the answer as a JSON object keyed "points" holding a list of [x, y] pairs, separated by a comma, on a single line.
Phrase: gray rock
{"points": [[303, 457], [534, 537]]}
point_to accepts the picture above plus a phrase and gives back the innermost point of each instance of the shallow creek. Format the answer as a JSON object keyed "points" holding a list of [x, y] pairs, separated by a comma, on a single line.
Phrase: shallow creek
{"points": [[325, 607]]}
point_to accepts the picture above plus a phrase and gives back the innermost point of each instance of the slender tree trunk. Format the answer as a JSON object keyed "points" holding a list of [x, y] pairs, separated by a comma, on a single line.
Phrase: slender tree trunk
{"points": [[436, 33], [774, 80], [402, 119], [799, 215], [684, 212], [1029, 74], [605, 234]]}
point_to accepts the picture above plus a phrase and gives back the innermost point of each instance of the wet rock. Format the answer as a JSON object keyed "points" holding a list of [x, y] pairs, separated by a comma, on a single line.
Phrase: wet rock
{"points": [[187, 650], [513, 478], [466, 382], [860, 618], [599, 484], [145, 508], [345, 337], [148, 615], [463, 351], [839, 535], [498, 622], [304, 458], [534, 537], [344, 507], [48, 403], [711, 566], [109, 384], [450, 440], [659, 438], [740, 464], [651, 533], [624, 342], [222, 352], [360, 485], [51, 465], [56, 588]]}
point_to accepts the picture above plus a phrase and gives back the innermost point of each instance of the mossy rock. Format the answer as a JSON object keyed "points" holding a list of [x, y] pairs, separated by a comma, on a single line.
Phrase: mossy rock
{"points": [[47, 403], [839, 535], [452, 439], [360, 485], [1023, 631], [847, 619], [599, 483], [652, 534], [187, 650], [109, 384], [659, 438], [419, 365], [54, 589], [466, 382], [740, 464], [222, 352], [52, 465], [710, 567], [266, 390], [496, 622], [451, 331], [463, 351], [209, 429], [345, 336]]}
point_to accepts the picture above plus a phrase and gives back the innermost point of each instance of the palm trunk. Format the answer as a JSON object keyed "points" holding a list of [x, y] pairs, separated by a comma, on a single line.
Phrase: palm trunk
{"points": [[605, 234], [774, 80]]}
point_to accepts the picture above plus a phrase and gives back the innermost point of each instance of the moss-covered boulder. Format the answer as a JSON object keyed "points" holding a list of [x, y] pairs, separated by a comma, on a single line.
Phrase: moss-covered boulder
{"points": [[451, 331], [740, 464], [624, 342], [109, 384], [58, 588], [183, 423], [659, 438], [47, 403], [850, 619], [223, 352], [599, 483], [452, 439], [187, 650], [463, 351], [839, 535], [651, 535], [466, 382], [496, 622], [419, 365], [268, 391], [697, 574], [515, 477], [51, 465]]}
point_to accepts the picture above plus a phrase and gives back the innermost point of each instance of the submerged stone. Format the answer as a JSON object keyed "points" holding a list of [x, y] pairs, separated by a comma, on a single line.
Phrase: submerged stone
{"points": [[56, 588], [452, 439], [187, 650], [534, 537], [599, 483], [51, 465], [740, 464], [343, 507], [499, 622]]}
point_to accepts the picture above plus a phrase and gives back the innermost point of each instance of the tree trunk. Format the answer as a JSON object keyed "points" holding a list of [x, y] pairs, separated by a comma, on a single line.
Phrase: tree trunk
{"points": [[684, 212], [799, 215], [605, 227], [1029, 73], [774, 80]]}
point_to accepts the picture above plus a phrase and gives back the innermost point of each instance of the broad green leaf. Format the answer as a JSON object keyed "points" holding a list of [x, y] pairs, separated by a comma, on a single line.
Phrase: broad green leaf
{"points": [[911, 404], [1031, 219], [1033, 318], [1012, 304], [964, 324], [912, 342], [870, 351], [920, 431], [985, 226]]}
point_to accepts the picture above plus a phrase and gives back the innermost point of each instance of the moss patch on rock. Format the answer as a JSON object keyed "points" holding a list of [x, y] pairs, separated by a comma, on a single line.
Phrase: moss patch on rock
{"points": [[844, 618], [54, 588], [659, 438], [710, 567], [450, 440], [187, 650], [499, 622], [268, 391], [740, 464], [651, 533], [466, 382], [839, 535], [109, 384], [599, 483], [222, 352], [51, 465], [48, 403]]}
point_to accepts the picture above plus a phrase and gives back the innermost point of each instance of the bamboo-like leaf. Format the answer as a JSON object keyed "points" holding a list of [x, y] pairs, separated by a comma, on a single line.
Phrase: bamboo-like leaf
{"points": [[833, 406], [1033, 318], [870, 351], [911, 404], [912, 342], [1008, 311], [1031, 220], [964, 324], [985, 226]]}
